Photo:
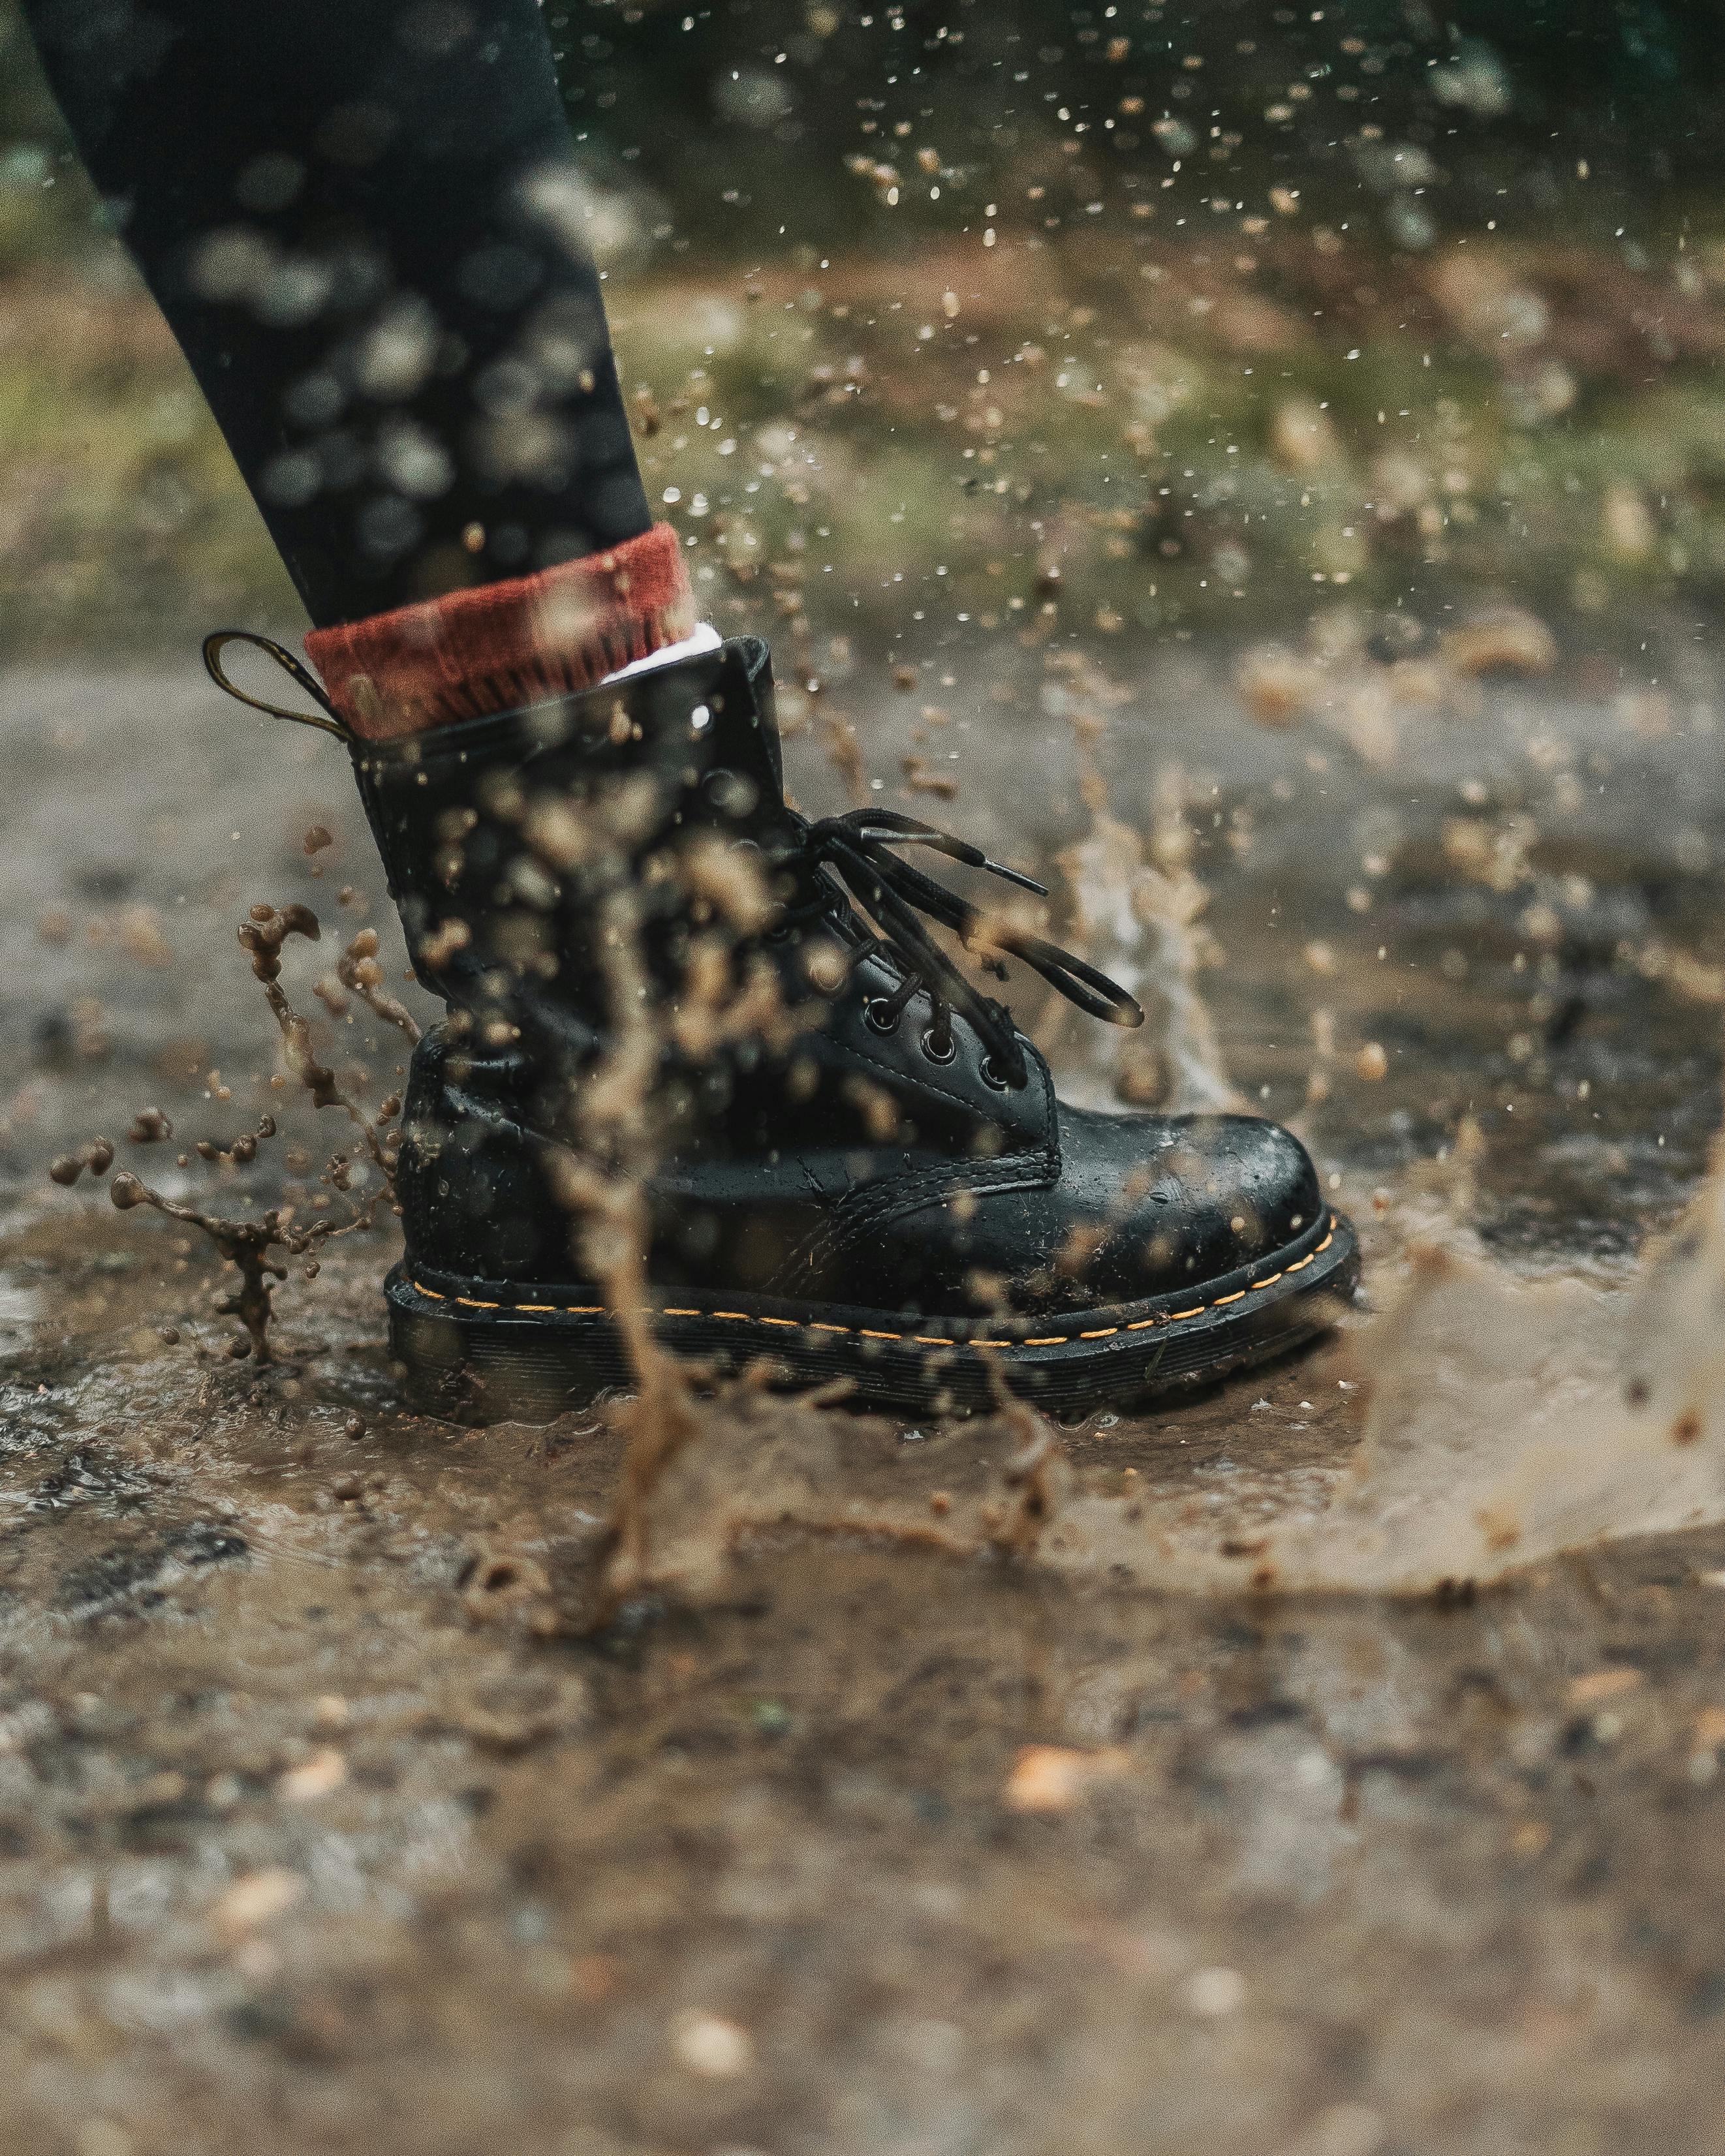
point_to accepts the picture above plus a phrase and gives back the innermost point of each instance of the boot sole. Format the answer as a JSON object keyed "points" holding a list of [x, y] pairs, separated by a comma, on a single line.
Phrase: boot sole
{"points": [[481, 1352]]}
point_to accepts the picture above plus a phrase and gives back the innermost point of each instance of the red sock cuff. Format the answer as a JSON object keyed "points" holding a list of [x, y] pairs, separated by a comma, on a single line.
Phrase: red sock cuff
{"points": [[499, 646]]}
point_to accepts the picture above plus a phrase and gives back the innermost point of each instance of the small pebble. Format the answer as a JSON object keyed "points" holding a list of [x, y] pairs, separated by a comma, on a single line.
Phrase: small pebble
{"points": [[254, 1898], [315, 1777], [1211, 1992], [708, 2044]]}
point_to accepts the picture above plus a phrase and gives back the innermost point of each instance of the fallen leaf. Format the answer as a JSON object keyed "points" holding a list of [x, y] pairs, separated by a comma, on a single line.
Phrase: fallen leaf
{"points": [[1603, 1684], [1052, 1778]]}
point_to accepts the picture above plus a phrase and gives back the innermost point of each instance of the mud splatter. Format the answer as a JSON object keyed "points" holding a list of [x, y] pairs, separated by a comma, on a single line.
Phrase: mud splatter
{"points": [[250, 1245], [1498, 1425], [1139, 906]]}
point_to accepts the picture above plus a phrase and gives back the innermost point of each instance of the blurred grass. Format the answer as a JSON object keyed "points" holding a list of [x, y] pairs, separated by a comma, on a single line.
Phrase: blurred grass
{"points": [[122, 520], [1367, 334], [1208, 439], [1188, 444]]}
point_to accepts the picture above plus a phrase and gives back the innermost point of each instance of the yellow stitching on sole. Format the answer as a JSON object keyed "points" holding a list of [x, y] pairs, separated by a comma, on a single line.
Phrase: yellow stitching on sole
{"points": [[864, 1332]]}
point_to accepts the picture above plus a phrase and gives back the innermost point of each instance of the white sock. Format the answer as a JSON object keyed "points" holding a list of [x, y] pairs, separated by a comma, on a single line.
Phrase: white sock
{"points": [[706, 638]]}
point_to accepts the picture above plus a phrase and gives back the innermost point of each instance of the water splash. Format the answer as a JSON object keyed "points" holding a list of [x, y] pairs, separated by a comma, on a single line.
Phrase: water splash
{"points": [[1139, 921], [1501, 1425]]}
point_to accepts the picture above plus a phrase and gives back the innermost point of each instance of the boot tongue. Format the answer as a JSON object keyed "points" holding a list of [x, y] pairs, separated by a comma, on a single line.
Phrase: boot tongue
{"points": [[747, 736], [720, 703]]}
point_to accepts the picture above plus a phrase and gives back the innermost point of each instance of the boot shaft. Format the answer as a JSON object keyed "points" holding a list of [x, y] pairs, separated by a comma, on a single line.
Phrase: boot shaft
{"points": [[510, 842]]}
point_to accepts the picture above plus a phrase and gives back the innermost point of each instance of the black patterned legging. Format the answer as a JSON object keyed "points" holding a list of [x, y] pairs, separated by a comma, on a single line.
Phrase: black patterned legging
{"points": [[362, 221]]}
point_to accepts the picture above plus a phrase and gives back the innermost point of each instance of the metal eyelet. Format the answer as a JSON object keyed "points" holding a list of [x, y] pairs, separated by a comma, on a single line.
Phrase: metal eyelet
{"points": [[879, 1016], [932, 1052], [993, 1076]]}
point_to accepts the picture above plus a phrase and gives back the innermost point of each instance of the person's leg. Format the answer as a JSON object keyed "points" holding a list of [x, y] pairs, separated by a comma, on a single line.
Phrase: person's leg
{"points": [[356, 216], [362, 220]]}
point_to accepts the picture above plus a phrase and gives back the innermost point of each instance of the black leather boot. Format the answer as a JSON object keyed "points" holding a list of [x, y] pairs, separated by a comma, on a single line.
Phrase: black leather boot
{"points": [[881, 1187]]}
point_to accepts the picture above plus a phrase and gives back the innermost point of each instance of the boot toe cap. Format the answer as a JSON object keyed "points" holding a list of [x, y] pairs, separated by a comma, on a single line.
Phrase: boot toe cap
{"points": [[1176, 1201]]}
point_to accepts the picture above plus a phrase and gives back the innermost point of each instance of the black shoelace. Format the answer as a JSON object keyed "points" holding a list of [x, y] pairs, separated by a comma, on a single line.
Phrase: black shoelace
{"points": [[857, 848]]}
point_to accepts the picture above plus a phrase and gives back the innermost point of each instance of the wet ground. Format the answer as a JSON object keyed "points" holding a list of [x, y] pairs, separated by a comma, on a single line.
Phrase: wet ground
{"points": [[324, 1822]]}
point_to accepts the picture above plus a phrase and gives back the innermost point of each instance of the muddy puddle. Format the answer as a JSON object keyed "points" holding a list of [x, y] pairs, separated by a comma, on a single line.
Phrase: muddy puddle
{"points": [[1323, 1767]]}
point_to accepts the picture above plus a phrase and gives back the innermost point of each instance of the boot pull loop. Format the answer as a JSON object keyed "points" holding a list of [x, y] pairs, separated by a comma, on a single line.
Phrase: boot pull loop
{"points": [[302, 676]]}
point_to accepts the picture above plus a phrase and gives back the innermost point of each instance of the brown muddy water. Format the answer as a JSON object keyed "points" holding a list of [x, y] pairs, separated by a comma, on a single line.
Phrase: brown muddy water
{"points": [[886, 1825]]}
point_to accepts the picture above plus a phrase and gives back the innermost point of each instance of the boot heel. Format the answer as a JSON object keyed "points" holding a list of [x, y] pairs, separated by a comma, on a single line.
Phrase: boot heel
{"points": [[463, 1371]]}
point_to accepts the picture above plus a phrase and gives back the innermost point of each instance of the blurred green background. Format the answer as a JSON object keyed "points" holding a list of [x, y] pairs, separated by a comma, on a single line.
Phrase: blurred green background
{"points": [[1126, 320]]}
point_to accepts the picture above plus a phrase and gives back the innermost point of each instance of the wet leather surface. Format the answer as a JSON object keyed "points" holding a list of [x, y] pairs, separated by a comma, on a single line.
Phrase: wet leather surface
{"points": [[867, 1161]]}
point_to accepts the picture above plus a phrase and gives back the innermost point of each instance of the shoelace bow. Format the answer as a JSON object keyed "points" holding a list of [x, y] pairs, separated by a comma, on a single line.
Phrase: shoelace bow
{"points": [[858, 848]]}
